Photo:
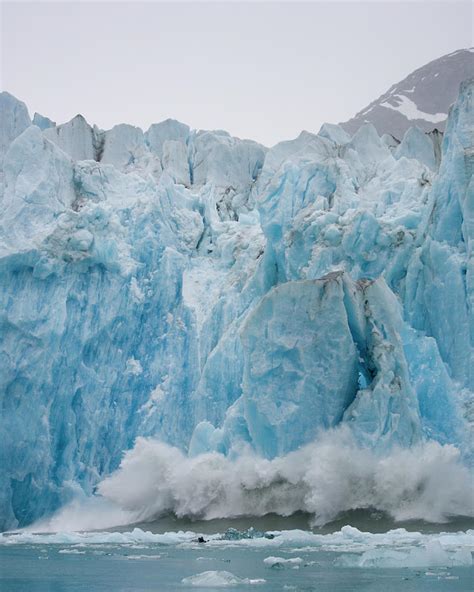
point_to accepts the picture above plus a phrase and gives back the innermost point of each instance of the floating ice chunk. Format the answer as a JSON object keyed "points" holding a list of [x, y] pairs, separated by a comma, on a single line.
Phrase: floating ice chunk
{"points": [[282, 561], [136, 536], [218, 579], [431, 554], [142, 557]]}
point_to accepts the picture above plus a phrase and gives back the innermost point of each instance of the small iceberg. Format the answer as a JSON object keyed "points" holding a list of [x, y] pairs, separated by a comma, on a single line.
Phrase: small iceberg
{"points": [[218, 579]]}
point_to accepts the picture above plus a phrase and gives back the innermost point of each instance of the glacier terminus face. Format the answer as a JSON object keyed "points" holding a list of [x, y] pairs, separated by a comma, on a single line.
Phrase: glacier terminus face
{"points": [[194, 323]]}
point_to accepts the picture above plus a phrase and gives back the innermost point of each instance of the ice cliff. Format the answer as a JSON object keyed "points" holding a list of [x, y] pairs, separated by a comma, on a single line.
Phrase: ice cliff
{"points": [[219, 297]]}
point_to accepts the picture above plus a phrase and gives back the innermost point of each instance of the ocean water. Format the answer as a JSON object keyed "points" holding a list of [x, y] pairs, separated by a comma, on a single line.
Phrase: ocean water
{"points": [[267, 554]]}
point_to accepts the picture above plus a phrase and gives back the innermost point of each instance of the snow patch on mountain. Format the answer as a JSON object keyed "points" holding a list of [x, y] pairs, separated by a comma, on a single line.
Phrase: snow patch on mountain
{"points": [[423, 98], [408, 108]]}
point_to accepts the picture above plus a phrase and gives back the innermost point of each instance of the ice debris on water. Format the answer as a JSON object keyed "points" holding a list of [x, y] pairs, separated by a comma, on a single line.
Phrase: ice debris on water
{"points": [[232, 534], [281, 562]]}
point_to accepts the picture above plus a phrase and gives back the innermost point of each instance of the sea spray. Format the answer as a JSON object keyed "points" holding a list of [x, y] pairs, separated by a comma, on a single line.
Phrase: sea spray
{"points": [[326, 478]]}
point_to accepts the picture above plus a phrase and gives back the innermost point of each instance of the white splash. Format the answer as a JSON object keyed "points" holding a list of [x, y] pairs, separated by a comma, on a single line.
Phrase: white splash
{"points": [[331, 476]]}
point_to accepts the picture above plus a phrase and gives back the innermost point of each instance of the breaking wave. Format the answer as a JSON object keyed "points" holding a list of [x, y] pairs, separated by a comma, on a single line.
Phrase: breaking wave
{"points": [[427, 482]]}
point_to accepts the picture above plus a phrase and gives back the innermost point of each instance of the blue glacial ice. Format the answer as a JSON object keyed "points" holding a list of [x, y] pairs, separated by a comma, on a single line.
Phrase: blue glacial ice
{"points": [[201, 301]]}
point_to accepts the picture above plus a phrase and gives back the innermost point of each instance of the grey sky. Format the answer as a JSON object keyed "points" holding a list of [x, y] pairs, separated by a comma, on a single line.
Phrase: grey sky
{"points": [[259, 70]]}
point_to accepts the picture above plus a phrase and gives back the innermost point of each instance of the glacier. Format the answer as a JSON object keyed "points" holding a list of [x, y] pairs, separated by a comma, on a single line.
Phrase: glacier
{"points": [[179, 305]]}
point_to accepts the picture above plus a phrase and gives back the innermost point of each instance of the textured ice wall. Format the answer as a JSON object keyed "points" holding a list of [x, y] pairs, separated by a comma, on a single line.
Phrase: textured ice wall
{"points": [[219, 296]]}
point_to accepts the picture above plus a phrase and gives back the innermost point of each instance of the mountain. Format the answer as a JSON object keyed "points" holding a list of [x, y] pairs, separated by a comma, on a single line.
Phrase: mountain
{"points": [[423, 98], [193, 323]]}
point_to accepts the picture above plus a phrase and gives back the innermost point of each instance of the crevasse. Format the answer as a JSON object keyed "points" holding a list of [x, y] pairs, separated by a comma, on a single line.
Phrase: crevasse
{"points": [[219, 296]]}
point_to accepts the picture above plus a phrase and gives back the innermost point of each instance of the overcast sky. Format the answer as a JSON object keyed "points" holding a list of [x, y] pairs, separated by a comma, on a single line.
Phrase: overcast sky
{"points": [[261, 70]]}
